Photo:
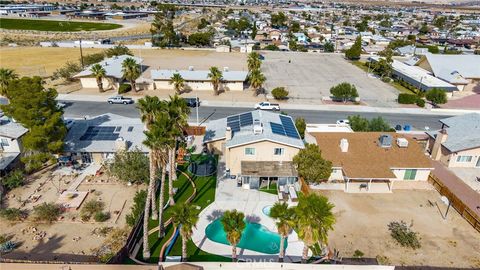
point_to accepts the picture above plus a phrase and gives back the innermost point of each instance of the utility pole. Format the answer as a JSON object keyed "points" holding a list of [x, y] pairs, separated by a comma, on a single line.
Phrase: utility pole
{"points": [[81, 53]]}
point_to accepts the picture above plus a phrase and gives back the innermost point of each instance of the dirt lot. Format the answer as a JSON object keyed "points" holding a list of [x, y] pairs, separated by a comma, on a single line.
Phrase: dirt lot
{"points": [[66, 239], [362, 224]]}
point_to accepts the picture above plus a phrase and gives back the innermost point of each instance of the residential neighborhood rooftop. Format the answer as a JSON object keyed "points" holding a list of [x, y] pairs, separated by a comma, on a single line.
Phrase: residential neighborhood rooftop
{"points": [[112, 66], [198, 75], [463, 132], [11, 129]]}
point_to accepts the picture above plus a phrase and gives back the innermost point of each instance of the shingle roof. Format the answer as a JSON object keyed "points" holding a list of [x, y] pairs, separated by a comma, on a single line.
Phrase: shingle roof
{"points": [[112, 66], [10, 129], [197, 75], [133, 136], [454, 68], [463, 132], [365, 159], [216, 130], [7, 158]]}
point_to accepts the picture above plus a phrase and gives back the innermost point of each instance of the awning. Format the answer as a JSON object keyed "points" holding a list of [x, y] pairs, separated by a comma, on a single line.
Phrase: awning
{"points": [[269, 168]]}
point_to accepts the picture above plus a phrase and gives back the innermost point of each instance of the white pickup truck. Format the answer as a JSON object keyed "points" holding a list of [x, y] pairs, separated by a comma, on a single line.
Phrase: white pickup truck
{"points": [[120, 100], [267, 106]]}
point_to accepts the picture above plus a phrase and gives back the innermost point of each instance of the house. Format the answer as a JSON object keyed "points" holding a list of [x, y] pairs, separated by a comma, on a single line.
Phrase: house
{"points": [[301, 38], [11, 134], [199, 80], [457, 143], [410, 50], [97, 139], [373, 160], [113, 70], [256, 146]]}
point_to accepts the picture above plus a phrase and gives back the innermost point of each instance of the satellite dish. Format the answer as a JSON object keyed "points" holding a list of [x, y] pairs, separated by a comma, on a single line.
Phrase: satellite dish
{"points": [[445, 200]]}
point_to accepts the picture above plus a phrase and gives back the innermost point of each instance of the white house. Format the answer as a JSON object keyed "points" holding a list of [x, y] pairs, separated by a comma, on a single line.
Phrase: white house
{"points": [[11, 134]]}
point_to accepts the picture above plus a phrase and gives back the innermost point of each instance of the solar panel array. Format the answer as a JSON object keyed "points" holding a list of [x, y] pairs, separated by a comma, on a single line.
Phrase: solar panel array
{"points": [[100, 134], [287, 128], [241, 120]]}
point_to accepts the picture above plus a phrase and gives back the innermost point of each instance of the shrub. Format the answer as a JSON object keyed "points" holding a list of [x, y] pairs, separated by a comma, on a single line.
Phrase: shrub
{"points": [[92, 207], [404, 234], [358, 254], [124, 88], [386, 79], [280, 93], [420, 102], [137, 208], [67, 71], [93, 58], [436, 96], [13, 214], [47, 212], [13, 180], [407, 98], [101, 216], [118, 50], [344, 91], [301, 126]]}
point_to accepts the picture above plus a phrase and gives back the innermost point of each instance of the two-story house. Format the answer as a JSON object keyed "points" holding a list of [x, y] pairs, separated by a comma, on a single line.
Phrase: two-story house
{"points": [[10, 144]]}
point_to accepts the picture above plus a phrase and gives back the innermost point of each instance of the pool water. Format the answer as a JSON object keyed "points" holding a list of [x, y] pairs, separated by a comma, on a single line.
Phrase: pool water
{"points": [[266, 210], [255, 237]]}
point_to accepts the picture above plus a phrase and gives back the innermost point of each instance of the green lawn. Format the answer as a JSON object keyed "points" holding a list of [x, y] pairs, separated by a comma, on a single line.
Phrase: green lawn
{"points": [[57, 26], [271, 190]]}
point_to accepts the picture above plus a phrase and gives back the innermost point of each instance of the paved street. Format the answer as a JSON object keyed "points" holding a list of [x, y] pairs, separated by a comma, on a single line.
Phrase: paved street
{"points": [[79, 109]]}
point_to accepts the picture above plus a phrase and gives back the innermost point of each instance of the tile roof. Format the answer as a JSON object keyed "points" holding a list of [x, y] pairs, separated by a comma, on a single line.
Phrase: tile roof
{"points": [[112, 66], [365, 159], [198, 75], [463, 132], [216, 130]]}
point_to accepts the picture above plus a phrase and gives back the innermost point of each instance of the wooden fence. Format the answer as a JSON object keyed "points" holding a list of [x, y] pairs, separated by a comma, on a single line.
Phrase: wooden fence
{"points": [[467, 213]]}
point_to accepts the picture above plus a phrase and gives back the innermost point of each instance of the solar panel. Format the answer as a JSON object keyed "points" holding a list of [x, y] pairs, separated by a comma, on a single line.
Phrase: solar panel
{"points": [[100, 134], [235, 126], [277, 129], [233, 118], [289, 127], [130, 129], [246, 119]]}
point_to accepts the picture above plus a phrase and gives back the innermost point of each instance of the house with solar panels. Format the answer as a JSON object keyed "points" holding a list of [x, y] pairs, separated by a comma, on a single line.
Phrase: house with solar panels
{"points": [[257, 147], [98, 139]]}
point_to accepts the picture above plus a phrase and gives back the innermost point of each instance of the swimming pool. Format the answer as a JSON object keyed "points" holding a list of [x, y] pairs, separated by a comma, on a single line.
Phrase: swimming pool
{"points": [[254, 237], [266, 210]]}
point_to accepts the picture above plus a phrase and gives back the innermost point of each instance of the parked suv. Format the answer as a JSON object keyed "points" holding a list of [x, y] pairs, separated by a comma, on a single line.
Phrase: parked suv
{"points": [[192, 102]]}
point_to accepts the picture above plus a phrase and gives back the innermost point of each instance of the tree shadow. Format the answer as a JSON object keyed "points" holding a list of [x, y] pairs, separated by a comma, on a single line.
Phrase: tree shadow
{"points": [[253, 218], [217, 213]]}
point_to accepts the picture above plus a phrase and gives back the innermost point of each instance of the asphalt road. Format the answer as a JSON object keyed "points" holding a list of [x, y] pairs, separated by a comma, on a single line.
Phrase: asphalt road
{"points": [[79, 109]]}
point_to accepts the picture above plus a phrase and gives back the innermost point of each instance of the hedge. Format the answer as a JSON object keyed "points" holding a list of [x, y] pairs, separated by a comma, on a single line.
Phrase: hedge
{"points": [[420, 102], [124, 88], [404, 98]]}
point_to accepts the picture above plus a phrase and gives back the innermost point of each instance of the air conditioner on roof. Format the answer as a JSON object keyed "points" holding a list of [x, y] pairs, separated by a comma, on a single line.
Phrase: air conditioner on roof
{"points": [[402, 142]]}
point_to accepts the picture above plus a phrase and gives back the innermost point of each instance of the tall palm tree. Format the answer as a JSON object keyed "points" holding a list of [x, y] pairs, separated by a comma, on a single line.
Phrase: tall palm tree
{"points": [[131, 71], [178, 82], [185, 216], [314, 218], [6, 76], [99, 72], [256, 79], [285, 218], [216, 76], [233, 225], [253, 61]]}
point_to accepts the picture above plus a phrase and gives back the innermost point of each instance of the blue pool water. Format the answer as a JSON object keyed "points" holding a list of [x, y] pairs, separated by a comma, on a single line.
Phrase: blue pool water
{"points": [[254, 237], [266, 210]]}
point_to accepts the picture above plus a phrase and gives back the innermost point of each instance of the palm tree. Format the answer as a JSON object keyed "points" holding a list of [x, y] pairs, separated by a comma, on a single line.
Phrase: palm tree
{"points": [[256, 79], [99, 72], [216, 76], [253, 61], [131, 71], [178, 82], [285, 218], [185, 216], [6, 76], [233, 225], [314, 218]]}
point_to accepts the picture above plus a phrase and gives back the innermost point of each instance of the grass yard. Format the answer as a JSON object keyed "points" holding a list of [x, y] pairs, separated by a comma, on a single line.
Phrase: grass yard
{"points": [[272, 189], [56, 26]]}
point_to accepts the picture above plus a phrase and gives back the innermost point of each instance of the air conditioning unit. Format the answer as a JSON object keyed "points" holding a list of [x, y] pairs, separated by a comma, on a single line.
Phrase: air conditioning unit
{"points": [[402, 142], [257, 127]]}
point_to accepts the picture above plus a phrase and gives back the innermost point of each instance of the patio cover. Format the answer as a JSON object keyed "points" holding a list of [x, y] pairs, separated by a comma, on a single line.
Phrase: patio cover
{"points": [[269, 168]]}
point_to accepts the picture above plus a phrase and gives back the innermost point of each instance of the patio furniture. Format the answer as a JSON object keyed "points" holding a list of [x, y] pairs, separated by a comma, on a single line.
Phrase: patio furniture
{"points": [[280, 196], [293, 194]]}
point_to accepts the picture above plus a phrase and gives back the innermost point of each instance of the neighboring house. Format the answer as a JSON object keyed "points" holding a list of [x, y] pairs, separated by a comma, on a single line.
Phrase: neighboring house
{"points": [[371, 158], [199, 80], [457, 144], [463, 71], [256, 146], [301, 38], [113, 70], [10, 144], [410, 50], [97, 139]]}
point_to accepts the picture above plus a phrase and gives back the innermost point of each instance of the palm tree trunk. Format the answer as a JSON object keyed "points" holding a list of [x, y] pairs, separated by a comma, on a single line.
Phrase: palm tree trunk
{"points": [[132, 83], [171, 201], [184, 248], [146, 216], [161, 232], [305, 253], [153, 180], [100, 84], [282, 249], [234, 253]]}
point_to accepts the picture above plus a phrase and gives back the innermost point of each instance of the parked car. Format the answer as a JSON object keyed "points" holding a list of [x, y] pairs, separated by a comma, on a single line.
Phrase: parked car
{"points": [[192, 102], [120, 100], [267, 106], [343, 122]]}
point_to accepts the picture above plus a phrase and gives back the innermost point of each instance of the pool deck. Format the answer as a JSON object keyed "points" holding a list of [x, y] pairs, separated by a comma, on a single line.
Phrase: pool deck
{"points": [[251, 202]]}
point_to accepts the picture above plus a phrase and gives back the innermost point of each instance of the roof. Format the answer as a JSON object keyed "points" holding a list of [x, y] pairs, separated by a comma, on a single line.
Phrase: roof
{"points": [[463, 132], [7, 158], [11, 129], [80, 139], [197, 75], [216, 130], [454, 68], [112, 66], [410, 49], [365, 159], [268, 168]]}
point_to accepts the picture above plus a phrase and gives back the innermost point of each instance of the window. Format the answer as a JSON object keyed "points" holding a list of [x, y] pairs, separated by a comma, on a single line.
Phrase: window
{"points": [[464, 159], [278, 151], [4, 142], [410, 174], [249, 151]]}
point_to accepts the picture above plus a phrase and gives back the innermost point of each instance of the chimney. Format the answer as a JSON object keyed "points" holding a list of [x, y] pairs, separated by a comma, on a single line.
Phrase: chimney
{"points": [[120, 144], [437, 145], [228, 134], [344, 145]]}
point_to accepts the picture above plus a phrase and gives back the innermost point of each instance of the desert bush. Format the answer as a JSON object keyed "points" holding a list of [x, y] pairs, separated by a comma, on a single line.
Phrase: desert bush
{"points": [[13, 179], [358, 253], [137, 208], [101, 216], [403, 234], [93, 58], [13, 214], [67, 71], [47, 212], [124, 88], [404, 98], [280, 93], [92, 207], [420, 102]]}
